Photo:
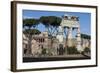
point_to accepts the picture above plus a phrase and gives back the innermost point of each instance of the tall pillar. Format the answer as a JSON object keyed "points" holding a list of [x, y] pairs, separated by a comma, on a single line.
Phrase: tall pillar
{"points": [[60, 35], [69, 40], [79, 48]]}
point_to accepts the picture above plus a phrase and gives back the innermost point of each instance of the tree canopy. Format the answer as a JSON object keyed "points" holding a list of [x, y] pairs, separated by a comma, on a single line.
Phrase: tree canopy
{"points": [[51, 23], [32, 31], [85, 36], [50, 20], [30, 22]]}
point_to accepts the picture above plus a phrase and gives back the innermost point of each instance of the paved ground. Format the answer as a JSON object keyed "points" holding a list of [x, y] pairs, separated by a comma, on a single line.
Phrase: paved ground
{"points": [[55, 58]]}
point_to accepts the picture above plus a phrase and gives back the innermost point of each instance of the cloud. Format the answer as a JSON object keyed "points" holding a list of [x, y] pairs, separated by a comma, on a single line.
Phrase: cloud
{"points": [[28, 17]]}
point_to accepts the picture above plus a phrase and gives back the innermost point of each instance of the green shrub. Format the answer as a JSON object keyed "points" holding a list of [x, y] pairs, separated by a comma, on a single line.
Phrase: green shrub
{"points": [[43, 51], [87, 49], [46, 52], [72, 50]]}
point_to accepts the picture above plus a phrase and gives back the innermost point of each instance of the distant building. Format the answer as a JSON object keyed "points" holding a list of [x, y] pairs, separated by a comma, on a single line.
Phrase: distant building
{"points": [[25, 44], [39, 42], [86, 43], [43, 41]]}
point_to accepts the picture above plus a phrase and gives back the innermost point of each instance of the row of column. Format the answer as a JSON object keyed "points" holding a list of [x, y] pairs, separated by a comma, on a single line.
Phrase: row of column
{"points": [[69, 39]]}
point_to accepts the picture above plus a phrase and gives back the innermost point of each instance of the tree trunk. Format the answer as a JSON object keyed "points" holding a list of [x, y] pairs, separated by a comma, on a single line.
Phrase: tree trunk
{"points": [[29, 51], [51, 45]]}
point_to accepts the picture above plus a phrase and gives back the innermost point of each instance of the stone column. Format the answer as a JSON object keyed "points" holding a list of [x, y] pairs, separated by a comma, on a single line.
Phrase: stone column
{"points": [[69, 39], [79, 48], [60, 35]]}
